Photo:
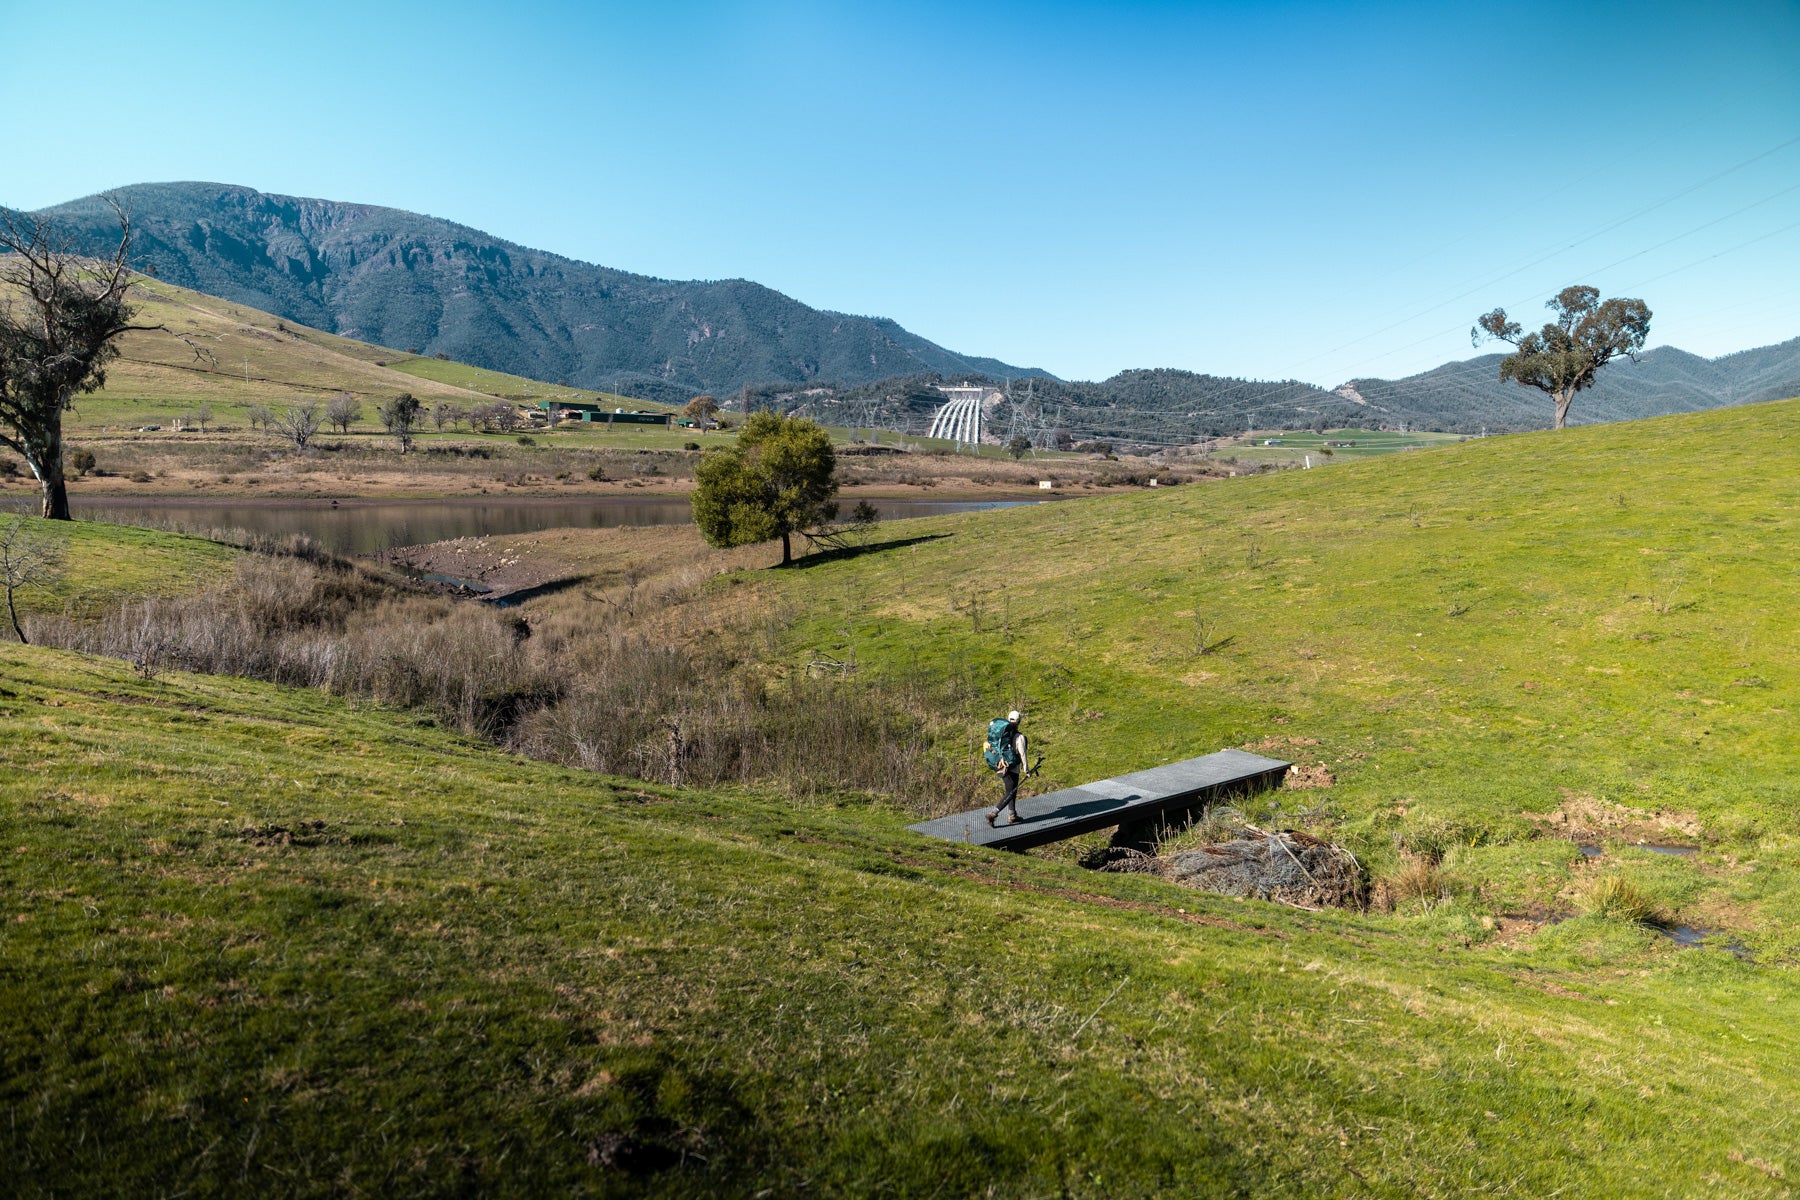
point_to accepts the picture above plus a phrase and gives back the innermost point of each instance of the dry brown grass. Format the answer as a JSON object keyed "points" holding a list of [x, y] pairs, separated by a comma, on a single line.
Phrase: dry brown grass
{"points": [[1417, 881], [650, 671]]}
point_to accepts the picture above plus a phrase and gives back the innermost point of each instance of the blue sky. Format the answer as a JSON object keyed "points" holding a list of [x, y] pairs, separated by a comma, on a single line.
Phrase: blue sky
{"points": [[1274, 190]]}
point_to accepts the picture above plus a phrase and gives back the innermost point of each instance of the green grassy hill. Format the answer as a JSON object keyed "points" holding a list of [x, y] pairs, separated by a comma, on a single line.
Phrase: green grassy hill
{"points": [[233, 356], [265, 938], [1462, 641], [104, 564], [256, 936]]}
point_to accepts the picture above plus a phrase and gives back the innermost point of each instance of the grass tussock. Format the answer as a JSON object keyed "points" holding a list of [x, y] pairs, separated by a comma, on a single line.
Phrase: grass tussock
{"points": [[1618, 899], [1416, 882]]}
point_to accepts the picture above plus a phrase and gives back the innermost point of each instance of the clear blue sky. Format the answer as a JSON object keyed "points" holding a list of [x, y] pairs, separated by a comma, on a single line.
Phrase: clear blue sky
{"points": [[1278, 190]]}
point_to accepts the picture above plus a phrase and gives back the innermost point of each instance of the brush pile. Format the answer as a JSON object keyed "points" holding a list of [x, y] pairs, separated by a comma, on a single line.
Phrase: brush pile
{"points": [[1286, 865]]}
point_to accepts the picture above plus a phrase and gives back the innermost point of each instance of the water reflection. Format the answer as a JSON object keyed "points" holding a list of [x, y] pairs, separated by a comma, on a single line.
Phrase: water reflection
{"points": [[366, 526]]}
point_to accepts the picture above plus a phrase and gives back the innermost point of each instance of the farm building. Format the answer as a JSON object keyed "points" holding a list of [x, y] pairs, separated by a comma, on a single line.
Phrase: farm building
{"points": [[594, 414]]}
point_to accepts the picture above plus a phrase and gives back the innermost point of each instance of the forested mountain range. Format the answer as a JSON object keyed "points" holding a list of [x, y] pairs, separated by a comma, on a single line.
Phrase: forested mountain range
{"points": [[434, 287], [1461, 397], [1149, 408]]}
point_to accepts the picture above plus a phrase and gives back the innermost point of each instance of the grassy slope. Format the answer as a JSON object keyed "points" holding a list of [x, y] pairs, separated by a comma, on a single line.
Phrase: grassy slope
{"points": [[1295, 446], [106, 563], [159, 377], [457, 970], [513, 387], [475, 966], [1470, 635]]}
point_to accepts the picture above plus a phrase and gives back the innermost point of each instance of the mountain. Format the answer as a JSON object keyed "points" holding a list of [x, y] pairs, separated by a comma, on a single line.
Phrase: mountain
{"points": [[434, 287], [1143, 408], [1149, 408], [1463, 396]]}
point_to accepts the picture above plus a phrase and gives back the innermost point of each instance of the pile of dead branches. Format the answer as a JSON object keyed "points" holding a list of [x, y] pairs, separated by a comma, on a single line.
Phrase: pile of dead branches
{"points": [[1287, 866]]}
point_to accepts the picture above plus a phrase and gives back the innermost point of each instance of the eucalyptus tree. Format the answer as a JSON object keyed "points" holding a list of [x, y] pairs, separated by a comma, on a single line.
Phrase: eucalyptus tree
{"points": [[1564, 356], [61, 316]]}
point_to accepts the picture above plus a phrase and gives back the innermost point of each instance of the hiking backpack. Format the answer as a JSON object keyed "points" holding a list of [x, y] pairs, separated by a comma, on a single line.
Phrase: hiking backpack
{"points": [[1001, 747]]}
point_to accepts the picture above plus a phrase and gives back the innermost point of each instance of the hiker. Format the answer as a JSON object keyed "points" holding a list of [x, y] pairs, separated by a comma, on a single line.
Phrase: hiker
{"points": [[1006, 754]]}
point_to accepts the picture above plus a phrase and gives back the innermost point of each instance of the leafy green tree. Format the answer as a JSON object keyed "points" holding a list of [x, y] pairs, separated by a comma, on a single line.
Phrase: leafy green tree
{"points": [[401, 416], [1563, 357], [778, 480], [1018, 446]]}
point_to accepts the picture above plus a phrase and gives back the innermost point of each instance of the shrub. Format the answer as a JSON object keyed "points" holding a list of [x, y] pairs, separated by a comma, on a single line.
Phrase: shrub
{"points": [[525, 439], [81, 461], [597, 473], [690, 445]]}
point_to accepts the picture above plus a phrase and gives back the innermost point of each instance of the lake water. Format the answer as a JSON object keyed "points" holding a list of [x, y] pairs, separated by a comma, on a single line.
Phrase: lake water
{"points": [[368, 526]]}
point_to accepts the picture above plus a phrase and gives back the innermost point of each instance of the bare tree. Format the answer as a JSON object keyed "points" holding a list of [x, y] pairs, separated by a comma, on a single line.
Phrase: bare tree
{"points": [[30, 556], [498, 417], [260, 417], [298, 424], [443, 414], [401, 416], [202, 414], [57, 335], [1563, 357], [342, 411]]}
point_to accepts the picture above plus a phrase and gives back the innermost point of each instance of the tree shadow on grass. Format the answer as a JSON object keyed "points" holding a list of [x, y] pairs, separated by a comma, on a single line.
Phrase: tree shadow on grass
{"points": [[837, 553], [519, 596]]}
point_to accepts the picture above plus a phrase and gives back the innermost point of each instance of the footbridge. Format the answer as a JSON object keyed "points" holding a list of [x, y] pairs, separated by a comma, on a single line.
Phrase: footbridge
{"points": [[1166, 792]]}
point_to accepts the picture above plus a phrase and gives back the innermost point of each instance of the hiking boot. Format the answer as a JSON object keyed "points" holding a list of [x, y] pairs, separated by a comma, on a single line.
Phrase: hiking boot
{"points": [[990, 818]]}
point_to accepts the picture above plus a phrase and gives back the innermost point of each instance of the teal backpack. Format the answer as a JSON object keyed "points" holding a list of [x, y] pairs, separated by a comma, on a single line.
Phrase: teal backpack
{"points": [[1001, 747]]}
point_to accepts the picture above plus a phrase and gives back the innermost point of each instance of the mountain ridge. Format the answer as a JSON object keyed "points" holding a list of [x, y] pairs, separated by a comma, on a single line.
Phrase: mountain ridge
{"points": [[435, 286]]}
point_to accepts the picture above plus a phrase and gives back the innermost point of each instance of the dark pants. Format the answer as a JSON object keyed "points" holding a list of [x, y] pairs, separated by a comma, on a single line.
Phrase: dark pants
{"points": [[1010, 778]]}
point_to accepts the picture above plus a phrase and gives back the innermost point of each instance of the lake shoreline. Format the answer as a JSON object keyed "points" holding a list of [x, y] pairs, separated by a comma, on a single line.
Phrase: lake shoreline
{"points": [[374, 525], [522, 496]]}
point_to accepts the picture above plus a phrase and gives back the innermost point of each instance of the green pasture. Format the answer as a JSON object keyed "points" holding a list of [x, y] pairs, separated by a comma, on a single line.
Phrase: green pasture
{"points": [[260, 938], [103, 564], [1465, 640], [257, 938], [1295, 446]]}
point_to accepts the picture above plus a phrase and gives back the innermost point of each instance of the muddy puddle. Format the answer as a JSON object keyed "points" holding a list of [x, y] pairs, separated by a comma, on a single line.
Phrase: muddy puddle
{"points": [[1700, 935]]}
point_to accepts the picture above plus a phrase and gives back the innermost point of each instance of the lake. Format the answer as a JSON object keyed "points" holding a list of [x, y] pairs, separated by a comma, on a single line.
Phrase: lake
{"points": [[368, 526]]}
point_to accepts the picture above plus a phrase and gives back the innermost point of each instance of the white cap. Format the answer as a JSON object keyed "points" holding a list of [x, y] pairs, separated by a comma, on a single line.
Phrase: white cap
{"points": [[1013, 715]]}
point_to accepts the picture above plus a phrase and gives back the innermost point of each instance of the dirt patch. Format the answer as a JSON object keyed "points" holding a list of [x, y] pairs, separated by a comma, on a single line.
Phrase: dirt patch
{"points": [[1584, 817], [1316, 776]]}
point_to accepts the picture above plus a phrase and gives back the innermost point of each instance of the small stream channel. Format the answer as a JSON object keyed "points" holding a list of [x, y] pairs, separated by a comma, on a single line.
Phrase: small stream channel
{"points": [[1681, 935]]}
